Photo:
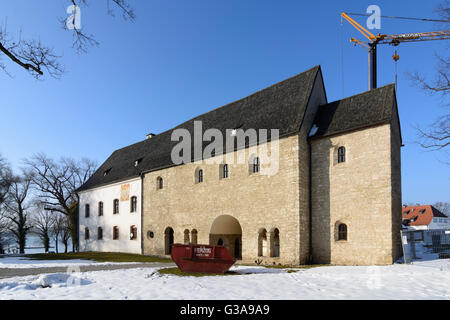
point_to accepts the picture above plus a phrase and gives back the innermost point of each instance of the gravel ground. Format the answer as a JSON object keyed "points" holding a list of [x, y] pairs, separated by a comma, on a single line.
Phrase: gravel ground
{"points": [[11, 272]]}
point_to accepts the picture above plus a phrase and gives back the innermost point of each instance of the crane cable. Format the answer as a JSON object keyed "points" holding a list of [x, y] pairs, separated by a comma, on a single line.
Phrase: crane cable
{"points": [[405, 18]]}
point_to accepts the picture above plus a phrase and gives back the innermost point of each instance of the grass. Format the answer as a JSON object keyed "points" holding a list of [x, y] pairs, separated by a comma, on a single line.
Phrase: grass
{"points": [[177, 272], [97, 256]]}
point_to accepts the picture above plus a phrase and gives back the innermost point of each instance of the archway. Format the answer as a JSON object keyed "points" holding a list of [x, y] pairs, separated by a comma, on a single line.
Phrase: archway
{"points": [[228, 230], [168, 240]]}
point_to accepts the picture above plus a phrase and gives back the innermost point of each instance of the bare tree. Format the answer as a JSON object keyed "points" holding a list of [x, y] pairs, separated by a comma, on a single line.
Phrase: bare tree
{"points": [[65, 234], [43, 222], [61, 231], [5, 179], [17, 209], [36, 58], [56, 184], [437, 135]]}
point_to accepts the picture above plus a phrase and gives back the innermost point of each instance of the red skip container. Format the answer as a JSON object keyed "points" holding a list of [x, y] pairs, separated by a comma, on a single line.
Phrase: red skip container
{"points": [[202, 258]]}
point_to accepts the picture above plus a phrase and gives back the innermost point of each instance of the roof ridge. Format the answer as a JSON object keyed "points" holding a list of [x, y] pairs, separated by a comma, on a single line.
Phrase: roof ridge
{"points": [[228, 104]]}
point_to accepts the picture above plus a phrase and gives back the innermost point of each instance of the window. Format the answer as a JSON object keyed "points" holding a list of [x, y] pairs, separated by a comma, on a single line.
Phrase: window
{"points": [[115, 233], [105, 173], [133, 233], [186, 236], [262, 243], [275, 235], [133, 204], [116, 206], [159, 183], [86, 211], [198, 175], [100, 209], [99, 233], [137, 162], [256, 165], [194, 236], [86, 233], [225, 170], [341, 154], [342, 232]]}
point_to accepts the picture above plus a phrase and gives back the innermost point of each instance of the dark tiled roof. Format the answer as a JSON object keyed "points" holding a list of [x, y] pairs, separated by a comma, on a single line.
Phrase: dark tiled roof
{"points": [[280, 106], [358, 111]]}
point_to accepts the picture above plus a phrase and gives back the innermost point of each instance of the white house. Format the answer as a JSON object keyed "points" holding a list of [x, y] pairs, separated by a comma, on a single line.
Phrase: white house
{"points": [[110, 217]]}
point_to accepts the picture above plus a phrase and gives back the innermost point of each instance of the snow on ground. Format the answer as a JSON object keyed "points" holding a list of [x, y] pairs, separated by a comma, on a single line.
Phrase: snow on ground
{"points": [[23, 262], [421, 280]]}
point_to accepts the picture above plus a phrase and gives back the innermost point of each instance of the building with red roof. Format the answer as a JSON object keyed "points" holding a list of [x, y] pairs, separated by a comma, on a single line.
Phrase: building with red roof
{"points": [[425, 217]]}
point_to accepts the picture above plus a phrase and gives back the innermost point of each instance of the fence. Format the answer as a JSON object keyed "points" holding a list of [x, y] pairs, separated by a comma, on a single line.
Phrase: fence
{"points": [[425, 244]]}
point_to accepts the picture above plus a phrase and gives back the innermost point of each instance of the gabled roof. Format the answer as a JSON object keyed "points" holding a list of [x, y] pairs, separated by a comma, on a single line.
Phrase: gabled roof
{"points": [[421, 215], [280, 106], [372, 107]]}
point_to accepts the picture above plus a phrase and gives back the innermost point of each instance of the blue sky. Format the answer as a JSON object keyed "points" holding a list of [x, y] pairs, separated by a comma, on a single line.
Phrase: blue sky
{"points": [[182, 58]]}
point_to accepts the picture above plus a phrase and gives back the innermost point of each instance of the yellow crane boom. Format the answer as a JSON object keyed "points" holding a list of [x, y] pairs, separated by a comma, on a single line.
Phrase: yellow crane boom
{"points": [[394, 40]]}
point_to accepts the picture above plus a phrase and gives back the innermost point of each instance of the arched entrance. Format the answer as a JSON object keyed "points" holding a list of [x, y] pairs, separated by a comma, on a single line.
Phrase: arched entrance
{"points": [[226, 230], [168, 240]]}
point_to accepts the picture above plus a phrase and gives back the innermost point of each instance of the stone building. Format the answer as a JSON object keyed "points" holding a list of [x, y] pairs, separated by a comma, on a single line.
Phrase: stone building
{"points": [[323, 187]]}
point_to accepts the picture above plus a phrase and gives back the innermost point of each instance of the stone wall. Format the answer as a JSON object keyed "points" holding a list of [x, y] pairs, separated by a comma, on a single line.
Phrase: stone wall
{"points": [[257, 201], [360, 192]]}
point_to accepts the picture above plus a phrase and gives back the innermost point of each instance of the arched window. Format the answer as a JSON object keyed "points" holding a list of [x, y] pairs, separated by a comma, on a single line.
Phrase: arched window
{"points": [[256, 165], [262, 242], [194, 236], [86, 211], [115, 233], [168, 240], [198, 175], [116, 206], [99, 233], [220, 242], [342, 232], [133, 233], [159, 183], [86, 233], [186, 236], [133, 204], [341, 154], [100, 209], [275, 247]]}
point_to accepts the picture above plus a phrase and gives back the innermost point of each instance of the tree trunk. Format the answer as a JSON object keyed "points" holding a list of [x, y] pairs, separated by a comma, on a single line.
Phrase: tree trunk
{"points": [[46, 243], [56, 243], [22, 241]]}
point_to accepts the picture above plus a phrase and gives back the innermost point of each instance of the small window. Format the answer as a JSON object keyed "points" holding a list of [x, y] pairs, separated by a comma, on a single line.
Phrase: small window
{"points": [[225, 171], [256, 165], [116, 206], [133, 204], [186, 236], [159, 183], [106, 172], [341, 154], [342, 232], [194, 234], [422, 211], [137, 162], [99, 233], [86, 211], [115, 233], [133, 233], [86, 233], [100, 209]]}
